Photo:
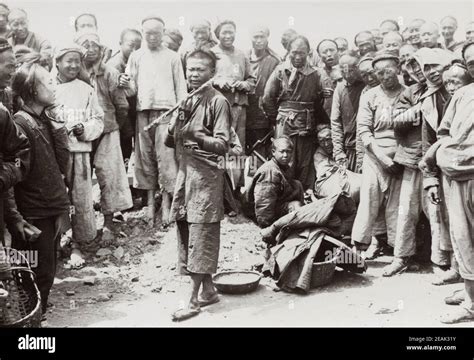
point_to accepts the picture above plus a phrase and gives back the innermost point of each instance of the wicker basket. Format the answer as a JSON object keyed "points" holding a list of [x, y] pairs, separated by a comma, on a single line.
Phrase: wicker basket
{"points": [[323, 272], [20, 305]]}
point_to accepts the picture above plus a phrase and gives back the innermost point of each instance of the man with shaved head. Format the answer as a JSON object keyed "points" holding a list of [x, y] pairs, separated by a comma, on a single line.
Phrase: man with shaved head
{"points": [[21, 35], [287, 37], [344, 112], [377, 38], [365, 42], [429, 33], [263, 61], [414, 32], [273, 191], [342, 45], [203, 38], [470, 31], [328, 52], [455, 78], [155, 164], [392, 42], [87, 22], [449, 25], [387, 26]]}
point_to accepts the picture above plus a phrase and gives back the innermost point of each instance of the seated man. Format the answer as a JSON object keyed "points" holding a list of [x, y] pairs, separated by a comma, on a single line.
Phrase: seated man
{"points": [[331, 178], [272, 190]]}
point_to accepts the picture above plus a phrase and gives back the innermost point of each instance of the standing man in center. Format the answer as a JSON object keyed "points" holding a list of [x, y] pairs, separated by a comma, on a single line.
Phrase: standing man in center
{"points": [[156, 76], [292, 101], [201, 136], [235, 80]]}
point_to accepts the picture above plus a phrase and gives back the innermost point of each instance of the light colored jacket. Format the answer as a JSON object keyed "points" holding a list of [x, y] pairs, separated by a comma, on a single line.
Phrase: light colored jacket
{"points": [[80, 104], [157, 78]]}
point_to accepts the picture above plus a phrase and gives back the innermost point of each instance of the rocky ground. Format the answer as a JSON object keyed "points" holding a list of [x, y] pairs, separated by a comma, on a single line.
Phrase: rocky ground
{"points": [[134, 282]]}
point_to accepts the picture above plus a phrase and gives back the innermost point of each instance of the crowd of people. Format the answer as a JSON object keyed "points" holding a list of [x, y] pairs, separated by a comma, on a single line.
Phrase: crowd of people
{"points": [[386, 120]]}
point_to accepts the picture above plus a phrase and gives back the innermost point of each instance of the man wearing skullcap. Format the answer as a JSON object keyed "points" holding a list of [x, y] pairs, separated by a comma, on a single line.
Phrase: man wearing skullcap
{"points": [[407, 125], [452, 154], [21, 35], [426, 117], [84, 119], [380, 189], [156, 76], [367, 74], [109, 167], [234, 78]]}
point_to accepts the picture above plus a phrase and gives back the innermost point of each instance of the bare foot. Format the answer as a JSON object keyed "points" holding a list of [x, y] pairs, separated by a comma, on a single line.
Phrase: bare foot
{"points": [[77, 260], [108, 237], [208, 299]]}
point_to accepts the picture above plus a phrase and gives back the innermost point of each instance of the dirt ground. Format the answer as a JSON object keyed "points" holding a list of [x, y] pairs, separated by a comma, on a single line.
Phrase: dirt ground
{"points": [[134, 282]]}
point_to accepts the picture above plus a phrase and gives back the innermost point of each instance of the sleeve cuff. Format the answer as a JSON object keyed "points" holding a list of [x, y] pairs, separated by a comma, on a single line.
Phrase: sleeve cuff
{"points": [[366, 140], [429, 182]]}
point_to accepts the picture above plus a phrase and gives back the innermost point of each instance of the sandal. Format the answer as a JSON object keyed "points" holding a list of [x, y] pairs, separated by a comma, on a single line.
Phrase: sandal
{"points": [[373, 251], [108, 237], [118, 217], [206, 302], [397, 266], [460, 315], [184, 314], [456, 298], [359, 247], [449, 277]]}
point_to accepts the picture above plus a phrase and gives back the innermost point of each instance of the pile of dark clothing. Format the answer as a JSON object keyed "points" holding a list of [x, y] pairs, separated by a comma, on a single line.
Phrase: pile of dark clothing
{"points": [[308, 235]]}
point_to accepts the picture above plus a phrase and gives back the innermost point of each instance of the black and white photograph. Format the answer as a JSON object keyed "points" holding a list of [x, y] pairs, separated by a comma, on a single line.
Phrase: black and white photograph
{"points": [[196, 164]]}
